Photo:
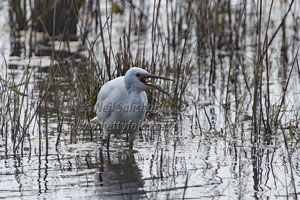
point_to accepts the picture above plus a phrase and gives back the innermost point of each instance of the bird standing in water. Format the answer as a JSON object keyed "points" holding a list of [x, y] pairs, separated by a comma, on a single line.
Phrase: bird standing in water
{"points": [[122, 103]]}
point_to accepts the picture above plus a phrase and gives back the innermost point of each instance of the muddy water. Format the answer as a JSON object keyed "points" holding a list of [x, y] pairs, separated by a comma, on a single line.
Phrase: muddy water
{"points": [[206, 151]]}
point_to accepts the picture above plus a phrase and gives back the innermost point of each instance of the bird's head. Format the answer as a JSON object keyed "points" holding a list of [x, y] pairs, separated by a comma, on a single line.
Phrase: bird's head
{"points": [[137, 79]]}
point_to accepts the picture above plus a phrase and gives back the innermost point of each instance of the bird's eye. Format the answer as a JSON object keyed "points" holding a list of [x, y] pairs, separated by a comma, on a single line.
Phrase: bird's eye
{"points": [[138, 74]]}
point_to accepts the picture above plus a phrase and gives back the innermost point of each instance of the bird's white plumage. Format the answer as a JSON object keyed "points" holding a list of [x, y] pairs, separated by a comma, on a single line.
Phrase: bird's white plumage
{"points": [[122, 103], [117, 108]]}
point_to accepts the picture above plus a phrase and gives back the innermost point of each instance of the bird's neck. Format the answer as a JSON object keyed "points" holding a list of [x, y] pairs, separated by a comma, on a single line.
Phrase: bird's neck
{"points": [[133, 91], [134, 95]]}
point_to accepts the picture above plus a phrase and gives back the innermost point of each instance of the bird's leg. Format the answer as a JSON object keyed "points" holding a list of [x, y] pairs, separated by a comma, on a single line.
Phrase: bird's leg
{"points": [[131, 139], [107, 145], [101, 158]]}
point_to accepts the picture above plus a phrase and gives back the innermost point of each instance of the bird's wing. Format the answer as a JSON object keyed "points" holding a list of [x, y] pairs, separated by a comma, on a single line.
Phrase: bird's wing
{"points": [[109, 96]]}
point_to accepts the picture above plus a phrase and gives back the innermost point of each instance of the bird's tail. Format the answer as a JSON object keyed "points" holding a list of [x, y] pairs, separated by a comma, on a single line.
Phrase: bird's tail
{"points": [[95, 120]]}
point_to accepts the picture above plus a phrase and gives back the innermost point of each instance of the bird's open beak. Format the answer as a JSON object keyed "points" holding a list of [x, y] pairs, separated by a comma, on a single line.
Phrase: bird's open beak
{"points": [[152, 85]]}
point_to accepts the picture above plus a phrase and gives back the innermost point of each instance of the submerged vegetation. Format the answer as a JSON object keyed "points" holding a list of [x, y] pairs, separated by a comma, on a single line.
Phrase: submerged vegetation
{"points": [[237, 86]]}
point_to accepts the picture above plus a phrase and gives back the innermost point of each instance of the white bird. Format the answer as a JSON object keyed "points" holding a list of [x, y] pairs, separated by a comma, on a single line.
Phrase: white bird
{"points": [[122, 103]]}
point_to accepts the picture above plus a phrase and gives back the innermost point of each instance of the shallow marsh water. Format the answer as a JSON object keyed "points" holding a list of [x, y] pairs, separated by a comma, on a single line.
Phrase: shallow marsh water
{"points": [[206, 150]]}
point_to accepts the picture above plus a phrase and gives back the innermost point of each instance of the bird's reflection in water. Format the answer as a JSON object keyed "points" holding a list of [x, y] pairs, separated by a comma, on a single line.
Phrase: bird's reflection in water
{"points": [[118, 177]]}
